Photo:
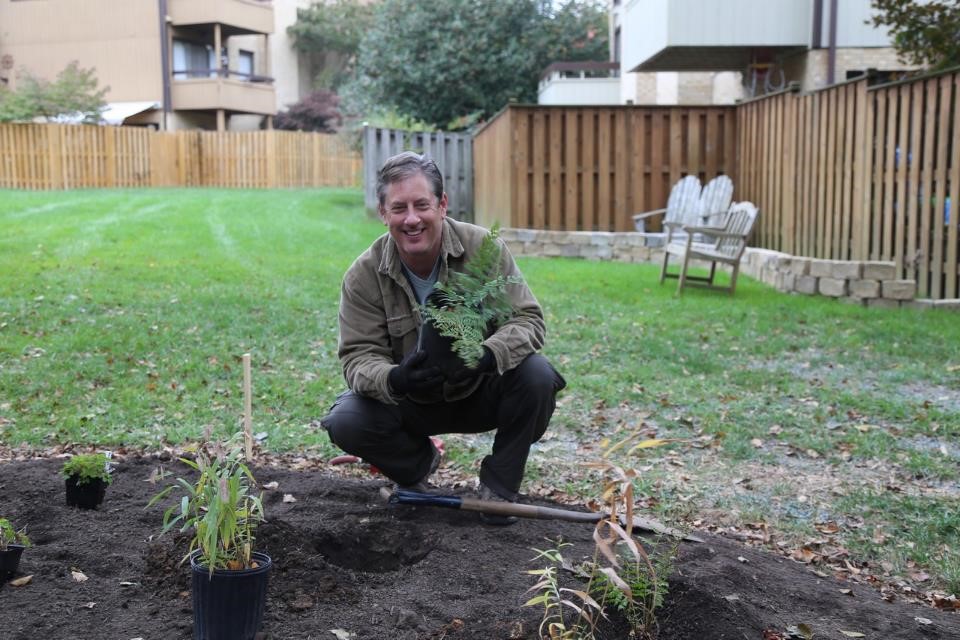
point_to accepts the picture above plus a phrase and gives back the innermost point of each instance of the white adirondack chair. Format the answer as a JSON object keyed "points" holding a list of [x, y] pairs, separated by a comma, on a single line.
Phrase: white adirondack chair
{"points": [[715, 200], [683, 207], [713, 206], [727, 248]]}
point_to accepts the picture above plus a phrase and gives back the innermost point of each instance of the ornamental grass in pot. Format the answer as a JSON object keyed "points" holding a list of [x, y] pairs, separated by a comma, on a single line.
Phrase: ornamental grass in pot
{"points": [[463, 311], [12, 544], [221, 513], [86, 478]]}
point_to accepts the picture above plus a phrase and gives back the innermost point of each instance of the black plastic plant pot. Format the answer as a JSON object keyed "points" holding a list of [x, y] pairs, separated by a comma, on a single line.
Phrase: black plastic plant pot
{"points": [[86, 495], [228, 605], [9, 561], [439, 349]]}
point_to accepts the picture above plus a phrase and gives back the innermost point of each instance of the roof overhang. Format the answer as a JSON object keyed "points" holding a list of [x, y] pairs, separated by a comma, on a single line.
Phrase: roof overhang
{"points": [[117, 112], [707, 58]]}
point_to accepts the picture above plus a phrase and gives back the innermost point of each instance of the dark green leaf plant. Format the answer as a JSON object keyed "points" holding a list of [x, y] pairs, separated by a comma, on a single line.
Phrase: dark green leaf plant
{"points": [[472, 300], [9, 535], [87, 467], [219, 508]]}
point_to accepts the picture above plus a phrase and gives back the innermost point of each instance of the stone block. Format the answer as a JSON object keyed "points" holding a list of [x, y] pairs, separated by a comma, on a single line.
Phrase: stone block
{"points": [[515, 247], [883, 303], [877, 270], [522, 235], [821, 268], [627, 239], [805, 284], [603, 238], [832, 287], [786, 281], [865, 288], [552, 249], [800, 266], [845, 269], [899, 289], [595, 252], [950, 303], [570, 250]]}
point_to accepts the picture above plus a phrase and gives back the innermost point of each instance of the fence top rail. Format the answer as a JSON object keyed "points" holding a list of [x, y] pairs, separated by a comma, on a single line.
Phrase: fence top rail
{"points": [[923, 76]]}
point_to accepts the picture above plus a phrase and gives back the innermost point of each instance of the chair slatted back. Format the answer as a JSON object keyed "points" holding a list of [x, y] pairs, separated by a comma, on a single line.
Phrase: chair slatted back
{"points": [[740, 220], [715, 198], [683, 205]]}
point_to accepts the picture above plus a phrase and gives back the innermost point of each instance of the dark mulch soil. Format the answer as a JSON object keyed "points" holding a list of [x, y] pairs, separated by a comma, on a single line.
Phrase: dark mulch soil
{"points": [[345, 560]]}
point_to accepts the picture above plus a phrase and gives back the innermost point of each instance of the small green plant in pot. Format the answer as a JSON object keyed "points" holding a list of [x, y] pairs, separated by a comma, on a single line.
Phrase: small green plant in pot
{"points": [[221, 513], [87, 476], [464, 310], [12, 544]]}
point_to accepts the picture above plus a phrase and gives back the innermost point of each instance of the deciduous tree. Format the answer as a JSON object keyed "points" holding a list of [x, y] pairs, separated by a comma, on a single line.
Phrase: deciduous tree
{"points": [[73, 95], [315, 112], [925, 32], [447, 59]]}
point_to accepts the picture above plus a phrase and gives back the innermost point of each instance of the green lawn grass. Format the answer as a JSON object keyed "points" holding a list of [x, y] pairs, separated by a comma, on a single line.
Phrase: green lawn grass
{"points": [[124, 315]]}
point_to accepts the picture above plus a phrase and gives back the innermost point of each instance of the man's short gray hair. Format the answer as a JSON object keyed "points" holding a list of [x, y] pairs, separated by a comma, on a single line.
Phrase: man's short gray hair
{"points": [[404, 165]]}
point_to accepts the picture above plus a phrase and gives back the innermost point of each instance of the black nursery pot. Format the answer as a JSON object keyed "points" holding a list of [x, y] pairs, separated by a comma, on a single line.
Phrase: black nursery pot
{"points": [[439, 349], [9, 561], [87, 495], [229, 604]]}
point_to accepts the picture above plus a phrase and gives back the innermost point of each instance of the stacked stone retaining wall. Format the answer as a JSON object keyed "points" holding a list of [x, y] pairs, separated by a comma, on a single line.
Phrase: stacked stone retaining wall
{"points": [[867, 282]]}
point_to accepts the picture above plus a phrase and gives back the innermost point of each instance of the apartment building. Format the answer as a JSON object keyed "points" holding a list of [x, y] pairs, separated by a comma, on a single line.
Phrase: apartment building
{"points": [[169, 64], [720, 51], [710, 51]]}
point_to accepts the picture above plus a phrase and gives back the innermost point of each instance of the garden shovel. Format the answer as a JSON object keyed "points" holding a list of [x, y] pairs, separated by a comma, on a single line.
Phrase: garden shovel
{"points": [[403, 496]]}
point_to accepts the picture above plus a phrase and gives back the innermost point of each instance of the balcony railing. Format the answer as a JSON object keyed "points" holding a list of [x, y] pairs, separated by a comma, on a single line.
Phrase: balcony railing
{"points": [[187, 74]]}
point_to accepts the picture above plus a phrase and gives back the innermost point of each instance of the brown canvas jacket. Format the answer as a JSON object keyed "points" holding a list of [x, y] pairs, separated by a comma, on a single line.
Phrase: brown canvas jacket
{"points": [[380, 317]]}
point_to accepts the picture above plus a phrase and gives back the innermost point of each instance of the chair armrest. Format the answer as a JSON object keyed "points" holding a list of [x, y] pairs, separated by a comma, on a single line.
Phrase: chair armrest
{"points": [[647, 214], [713, 231]]}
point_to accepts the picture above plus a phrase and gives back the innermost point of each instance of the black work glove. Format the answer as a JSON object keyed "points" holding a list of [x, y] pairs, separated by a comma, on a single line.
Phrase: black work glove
{"points": [[410, 376], [487, 364]]}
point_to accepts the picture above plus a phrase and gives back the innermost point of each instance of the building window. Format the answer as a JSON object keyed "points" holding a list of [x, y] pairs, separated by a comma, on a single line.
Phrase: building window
{"points": [[616, 45], [192, 60], [245, 65]]}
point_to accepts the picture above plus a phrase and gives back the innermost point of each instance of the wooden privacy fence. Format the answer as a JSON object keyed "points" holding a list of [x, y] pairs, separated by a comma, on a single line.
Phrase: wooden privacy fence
{"points": [[591, 168], [453, 153], [54, 156], [853, 172]]}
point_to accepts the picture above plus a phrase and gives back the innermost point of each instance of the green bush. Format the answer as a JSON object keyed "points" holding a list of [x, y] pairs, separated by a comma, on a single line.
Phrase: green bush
{"points": [[9, 535], [87, 467], [217, 508]]}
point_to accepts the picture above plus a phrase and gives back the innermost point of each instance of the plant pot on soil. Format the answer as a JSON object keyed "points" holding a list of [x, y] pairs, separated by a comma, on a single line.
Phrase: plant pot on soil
{"points": [[86, 495], [10, 561], [228, 604]]}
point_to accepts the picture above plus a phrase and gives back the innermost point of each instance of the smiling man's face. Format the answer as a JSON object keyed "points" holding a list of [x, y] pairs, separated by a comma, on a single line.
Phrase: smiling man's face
{"points": [[414, 217]]}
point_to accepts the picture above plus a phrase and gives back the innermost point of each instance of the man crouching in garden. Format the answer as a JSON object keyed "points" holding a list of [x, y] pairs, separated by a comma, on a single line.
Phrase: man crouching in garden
{"points": [[396, 400]]}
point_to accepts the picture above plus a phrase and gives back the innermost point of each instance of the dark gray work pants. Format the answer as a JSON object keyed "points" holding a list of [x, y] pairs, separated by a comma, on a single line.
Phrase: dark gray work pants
{"points": [[395, 438]]}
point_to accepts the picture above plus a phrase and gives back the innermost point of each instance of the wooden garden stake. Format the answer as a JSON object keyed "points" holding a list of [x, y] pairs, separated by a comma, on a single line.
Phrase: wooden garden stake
{"points": [[247, 416]]}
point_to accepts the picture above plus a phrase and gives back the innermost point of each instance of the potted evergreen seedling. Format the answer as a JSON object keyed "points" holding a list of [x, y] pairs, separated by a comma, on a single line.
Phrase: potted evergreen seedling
{"points": [[12, 544], [87, 476], [462, 312], [220, 512]]}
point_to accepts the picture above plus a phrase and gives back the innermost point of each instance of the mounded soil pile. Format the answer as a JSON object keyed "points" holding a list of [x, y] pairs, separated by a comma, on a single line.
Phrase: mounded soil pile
{"points": [[344, 560]]}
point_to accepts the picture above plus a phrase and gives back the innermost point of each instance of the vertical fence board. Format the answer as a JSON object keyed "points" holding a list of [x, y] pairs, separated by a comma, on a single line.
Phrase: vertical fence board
{"points": [[571, 168], [950, 289], [941, 135]]}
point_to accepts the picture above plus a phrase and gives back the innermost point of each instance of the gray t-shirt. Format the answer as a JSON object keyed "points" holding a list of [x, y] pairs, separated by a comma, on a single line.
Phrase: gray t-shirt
{"points": [[422, 287]]}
